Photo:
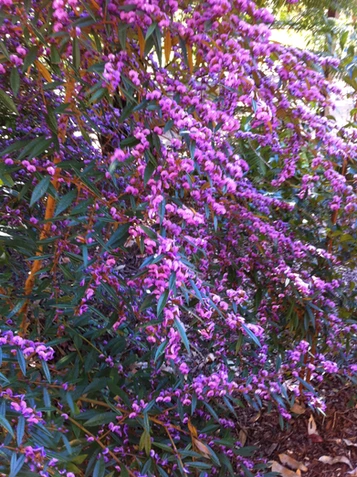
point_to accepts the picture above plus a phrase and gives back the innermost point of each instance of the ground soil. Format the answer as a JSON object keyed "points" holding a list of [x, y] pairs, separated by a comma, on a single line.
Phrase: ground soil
{"points": [[336, 434]]}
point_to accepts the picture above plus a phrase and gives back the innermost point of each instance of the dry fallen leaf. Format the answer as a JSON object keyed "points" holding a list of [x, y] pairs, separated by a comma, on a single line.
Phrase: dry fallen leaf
{"points": [[312, 430], [340, 459], [192, 429], [349, 443], [242, 437], [311, 426], [298, 409], [255, 418], [292, 463], [272, 448], [201, 448], [283, 471]]}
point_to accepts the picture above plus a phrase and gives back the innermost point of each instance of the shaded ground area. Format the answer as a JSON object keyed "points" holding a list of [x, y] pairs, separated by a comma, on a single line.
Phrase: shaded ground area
{"points": [[323, 446]]}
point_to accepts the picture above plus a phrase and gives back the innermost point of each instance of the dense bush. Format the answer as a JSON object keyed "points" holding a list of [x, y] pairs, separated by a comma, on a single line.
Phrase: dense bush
{"points": [[177, 223]]}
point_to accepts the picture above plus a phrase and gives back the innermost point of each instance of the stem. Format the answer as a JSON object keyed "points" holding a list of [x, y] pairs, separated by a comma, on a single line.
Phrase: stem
{"points": [[50, 209], [103, 446]]}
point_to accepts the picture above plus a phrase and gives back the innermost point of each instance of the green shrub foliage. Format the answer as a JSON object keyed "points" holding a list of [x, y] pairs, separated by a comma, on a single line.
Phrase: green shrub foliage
{"points": [[177, 235]]}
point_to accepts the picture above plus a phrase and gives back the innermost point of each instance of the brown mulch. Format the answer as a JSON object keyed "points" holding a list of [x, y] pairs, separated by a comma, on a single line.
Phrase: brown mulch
{"points": [[337, 434]]}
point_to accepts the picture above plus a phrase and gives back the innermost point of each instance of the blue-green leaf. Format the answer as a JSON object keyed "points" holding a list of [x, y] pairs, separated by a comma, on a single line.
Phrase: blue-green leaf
{"points": [[162, 302], [6, 425], [251, 335], [160, 350], [40, 190], [46, 371], [8, 102], [99, 469], [16, 464], [65, 201], [21, 360], [181, 329], [20, 430]]}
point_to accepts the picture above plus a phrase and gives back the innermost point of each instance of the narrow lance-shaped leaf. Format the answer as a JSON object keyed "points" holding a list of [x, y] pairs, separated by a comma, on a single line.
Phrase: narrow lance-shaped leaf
{"points": [[21, 360], [20, 430], [7, 101], [6, 425], [15, 81], [162, 302], [65, 201], [40, 190], [182, 331]]}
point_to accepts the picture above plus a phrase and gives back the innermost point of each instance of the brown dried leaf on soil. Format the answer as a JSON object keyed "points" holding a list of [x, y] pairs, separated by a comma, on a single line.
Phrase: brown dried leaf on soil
{"points": [[352, 473], [294, 464], [298, 409], [311, 426], [283, 471], [349, 443], [255, 418], [312, 430], [242, 437], [340, 459]]}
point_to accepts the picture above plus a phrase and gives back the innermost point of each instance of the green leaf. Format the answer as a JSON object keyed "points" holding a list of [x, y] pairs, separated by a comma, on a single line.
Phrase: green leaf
{"points": [[6, 425], [99, 469], [5, 381], [16, 464], [164, 447], [181, 329], [162, 472], [55, 56], [343, 39], [149, 171], [162, 302], [6, 179], [73, 407], [40, 190], [150, 30], [15, 81], [99, 94], [21, 360], [160, 350], [129, 141], [122, 33], [15, 146], [30, 58], [124, 472], [246, 451], [149, 232], [76, 53], [251, 335], [101, 419], [8, 102], [41, 145], [145, 442], [119, 236], [146, 422], [198, 465], [4, 50], [46, 398], [229, 405], [79, 459], [51, 120], [65, 201], [20, 430], [46, 371]]}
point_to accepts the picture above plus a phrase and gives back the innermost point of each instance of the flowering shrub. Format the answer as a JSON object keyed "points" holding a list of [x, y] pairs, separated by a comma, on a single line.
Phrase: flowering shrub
{"points": [[175, 216]]}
